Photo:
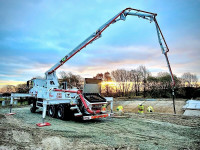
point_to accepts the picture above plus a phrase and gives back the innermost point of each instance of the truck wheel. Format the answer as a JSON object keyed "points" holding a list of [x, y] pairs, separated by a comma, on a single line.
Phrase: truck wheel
{"points": [[32, 109], [52, 111], [61, 112]]}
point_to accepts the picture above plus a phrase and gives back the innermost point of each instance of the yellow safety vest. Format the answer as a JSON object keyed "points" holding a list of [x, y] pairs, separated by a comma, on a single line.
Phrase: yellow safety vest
{"points": [[120, 108], [140, 109], [103, 108], [150, 109]]}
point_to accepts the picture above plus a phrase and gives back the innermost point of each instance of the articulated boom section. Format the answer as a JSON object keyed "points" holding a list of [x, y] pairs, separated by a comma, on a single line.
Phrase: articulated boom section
{"points": [[120, 16]]}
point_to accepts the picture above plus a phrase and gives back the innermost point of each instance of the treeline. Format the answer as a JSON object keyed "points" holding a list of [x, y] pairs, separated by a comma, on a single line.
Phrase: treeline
{"points": [[20, 88], [139, 82]]}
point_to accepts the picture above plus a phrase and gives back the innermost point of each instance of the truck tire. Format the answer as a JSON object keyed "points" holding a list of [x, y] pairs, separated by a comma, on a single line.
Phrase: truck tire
{"points": [[52, 111], [32, 109], [69, 114], [61, 112]]}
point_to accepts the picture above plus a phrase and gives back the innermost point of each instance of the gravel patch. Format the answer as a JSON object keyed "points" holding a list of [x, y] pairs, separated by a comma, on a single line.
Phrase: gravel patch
{"points": [[149, 131]]}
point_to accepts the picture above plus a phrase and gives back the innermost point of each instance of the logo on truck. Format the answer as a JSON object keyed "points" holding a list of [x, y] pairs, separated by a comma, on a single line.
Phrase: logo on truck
{"points": [[59, 95]]}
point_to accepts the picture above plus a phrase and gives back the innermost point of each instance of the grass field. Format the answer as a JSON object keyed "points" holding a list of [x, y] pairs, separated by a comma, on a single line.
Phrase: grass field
{"points": [[3, 98]]}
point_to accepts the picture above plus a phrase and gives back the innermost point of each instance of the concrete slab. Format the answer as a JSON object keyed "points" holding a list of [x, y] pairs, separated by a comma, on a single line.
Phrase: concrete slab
{"points": [[192, 113], [158, 106]]}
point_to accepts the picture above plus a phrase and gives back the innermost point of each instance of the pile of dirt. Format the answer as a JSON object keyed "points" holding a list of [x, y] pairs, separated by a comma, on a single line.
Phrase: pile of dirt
{"points": [[16, 134]]}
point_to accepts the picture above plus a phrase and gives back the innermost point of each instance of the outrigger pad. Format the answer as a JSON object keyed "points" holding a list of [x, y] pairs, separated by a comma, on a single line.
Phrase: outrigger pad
{"points": [[10, 114], [43, 124]]}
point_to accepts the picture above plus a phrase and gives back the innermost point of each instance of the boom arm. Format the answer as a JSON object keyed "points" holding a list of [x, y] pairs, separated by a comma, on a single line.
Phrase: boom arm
{"points": [[120, 16]]}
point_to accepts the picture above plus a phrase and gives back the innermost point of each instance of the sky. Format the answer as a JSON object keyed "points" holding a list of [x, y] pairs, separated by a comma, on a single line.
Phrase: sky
{"points": [[36, 34]]}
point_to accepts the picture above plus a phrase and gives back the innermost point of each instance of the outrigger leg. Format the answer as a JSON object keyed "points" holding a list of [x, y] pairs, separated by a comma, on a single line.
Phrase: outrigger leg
{"points": [[11, 103], [43, 116]]}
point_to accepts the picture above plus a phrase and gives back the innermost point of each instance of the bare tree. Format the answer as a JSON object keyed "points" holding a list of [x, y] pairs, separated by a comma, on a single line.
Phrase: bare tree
{"points": [[135, 77], [8, 89], [123, 78], [190, 79], [99, 76], [71, 79], [107, 77], [22, 88], [63, 75], [144, 73]]}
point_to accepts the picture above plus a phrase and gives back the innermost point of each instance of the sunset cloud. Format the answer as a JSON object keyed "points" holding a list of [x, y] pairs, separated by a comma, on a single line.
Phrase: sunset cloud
{"points": [[34, 35]]}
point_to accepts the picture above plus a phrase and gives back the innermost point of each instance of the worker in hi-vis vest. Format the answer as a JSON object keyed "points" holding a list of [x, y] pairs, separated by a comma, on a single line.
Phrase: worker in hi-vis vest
{"points": [[150, 109], [120, 108], [103, 108], [140, 109]]}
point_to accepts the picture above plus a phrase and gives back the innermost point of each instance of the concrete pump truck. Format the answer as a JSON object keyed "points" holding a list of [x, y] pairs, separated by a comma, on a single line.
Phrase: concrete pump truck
{"points": [[87, 103]]}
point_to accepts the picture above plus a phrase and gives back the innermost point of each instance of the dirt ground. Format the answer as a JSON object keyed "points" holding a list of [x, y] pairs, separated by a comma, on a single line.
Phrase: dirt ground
{"points": [[134, 131]]}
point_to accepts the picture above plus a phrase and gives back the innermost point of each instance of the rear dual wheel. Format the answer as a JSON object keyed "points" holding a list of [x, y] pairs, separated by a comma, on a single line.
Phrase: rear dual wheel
{"points": [[57, 111], [52, 111], [61, 112]]}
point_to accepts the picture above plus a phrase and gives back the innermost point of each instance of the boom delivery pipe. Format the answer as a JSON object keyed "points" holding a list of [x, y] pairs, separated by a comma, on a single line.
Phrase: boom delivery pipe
{"points": [[120, 16]]}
